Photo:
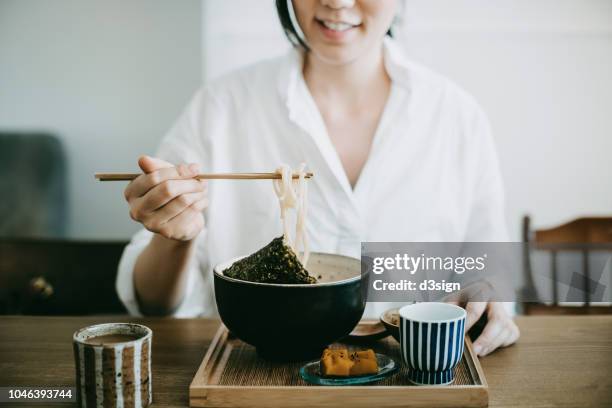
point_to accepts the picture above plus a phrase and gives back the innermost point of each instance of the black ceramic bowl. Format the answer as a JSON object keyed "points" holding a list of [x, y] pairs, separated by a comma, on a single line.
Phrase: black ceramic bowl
{"points": [[293, 322]]}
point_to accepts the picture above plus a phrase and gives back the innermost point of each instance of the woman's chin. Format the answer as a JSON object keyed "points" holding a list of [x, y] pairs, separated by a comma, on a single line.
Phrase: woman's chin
{"points": [[336, 56]]}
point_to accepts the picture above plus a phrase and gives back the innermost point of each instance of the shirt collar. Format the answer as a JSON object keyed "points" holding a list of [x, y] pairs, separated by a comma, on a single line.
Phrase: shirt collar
{"points": [[302, 110], [396, 63]]}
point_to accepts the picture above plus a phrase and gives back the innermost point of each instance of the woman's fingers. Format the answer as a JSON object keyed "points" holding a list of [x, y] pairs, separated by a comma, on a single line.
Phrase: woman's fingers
{"points": [[177, 194], [146, 182], [513, 336], [150, 164], [486, 341], [474, 310], [500, 331], [167, 191], [452, 299], [184, 227], [197, 201], [508, 336], [167, 199], [200, 205]]}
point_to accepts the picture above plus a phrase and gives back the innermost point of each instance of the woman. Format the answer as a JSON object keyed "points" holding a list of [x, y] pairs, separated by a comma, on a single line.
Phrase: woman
{"points": [[399, 154]]}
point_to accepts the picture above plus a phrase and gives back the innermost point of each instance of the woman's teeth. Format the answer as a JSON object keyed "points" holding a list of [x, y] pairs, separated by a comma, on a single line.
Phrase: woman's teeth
{"points": [[337, 26]]}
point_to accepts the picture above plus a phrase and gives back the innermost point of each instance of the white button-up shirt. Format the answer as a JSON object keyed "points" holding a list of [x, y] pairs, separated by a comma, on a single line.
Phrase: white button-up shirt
{"points": [[432, 173]]}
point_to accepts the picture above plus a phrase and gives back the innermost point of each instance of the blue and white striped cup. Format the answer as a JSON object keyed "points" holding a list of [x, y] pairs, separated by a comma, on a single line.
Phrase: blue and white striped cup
{"points": [[432, 341]]}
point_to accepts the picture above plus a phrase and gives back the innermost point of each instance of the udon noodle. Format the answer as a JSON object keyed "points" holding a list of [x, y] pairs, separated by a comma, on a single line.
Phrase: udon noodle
{"points": [[284, 259], [293, 194]]}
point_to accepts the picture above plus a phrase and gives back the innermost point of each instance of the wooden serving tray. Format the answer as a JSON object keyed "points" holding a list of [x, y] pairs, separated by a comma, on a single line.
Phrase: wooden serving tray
{"points": [[232, 375]]}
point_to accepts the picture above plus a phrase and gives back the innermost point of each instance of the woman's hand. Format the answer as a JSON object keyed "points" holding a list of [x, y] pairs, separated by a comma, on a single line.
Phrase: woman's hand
{"points": [[500, 330], [167, 200]]}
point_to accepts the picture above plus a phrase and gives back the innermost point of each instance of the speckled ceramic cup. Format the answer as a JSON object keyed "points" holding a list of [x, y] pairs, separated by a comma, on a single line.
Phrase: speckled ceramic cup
{"points": [[113, 365]]}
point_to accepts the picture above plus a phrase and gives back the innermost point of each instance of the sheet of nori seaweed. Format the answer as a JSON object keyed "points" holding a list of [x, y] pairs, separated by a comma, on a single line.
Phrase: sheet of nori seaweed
{"points": [[274, 263]]}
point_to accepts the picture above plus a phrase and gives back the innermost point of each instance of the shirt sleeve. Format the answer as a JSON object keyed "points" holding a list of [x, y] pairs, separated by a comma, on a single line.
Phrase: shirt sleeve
{"points": [[125, 276], [182, 144], [487, 219], [194, 303]]}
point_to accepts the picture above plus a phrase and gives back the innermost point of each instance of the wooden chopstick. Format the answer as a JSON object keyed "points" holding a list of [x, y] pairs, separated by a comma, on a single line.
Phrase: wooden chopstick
{"points": [[205, 176]]}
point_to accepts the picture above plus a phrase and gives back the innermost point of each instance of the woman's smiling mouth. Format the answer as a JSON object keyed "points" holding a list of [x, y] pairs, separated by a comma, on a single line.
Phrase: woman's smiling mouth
{"points": [[335, 30], [340, 26]]}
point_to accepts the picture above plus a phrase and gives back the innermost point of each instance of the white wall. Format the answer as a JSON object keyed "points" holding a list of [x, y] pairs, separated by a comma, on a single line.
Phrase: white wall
{"points": [[239, 32], [109, 77], [540, 68]]}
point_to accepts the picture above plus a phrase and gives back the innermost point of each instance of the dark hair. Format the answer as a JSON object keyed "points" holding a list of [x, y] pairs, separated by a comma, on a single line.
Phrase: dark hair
{"points": [[285, 19]]}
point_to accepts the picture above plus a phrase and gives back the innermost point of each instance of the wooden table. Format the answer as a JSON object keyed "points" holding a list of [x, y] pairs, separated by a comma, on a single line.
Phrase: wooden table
{"points": [[560, 361]]}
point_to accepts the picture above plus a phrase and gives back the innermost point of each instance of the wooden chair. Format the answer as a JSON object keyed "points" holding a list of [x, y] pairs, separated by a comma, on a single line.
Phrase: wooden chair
{"points": [[59, 277], [583, 235]]}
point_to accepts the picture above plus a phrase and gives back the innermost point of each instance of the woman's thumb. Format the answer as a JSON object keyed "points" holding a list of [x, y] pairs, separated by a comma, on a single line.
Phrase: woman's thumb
{"points": [[150, 164]]}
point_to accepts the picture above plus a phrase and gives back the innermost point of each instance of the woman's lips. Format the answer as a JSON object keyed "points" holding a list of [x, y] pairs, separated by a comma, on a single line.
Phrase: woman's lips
{"points": [[336, 32]]}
